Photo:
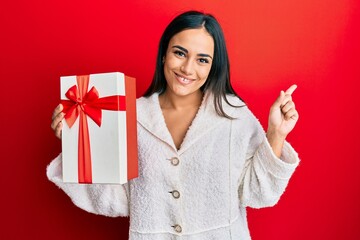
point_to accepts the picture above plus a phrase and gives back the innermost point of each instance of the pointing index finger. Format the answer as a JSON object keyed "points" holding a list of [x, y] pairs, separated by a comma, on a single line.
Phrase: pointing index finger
{"points": [[291, 89]]}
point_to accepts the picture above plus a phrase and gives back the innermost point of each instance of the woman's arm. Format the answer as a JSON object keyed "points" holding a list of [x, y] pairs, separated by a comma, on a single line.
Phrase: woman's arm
{"points": [[270, 160], [103, 199]]}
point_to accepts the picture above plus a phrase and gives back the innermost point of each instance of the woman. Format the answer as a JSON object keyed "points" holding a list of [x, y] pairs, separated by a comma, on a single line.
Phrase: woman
{"points": [[203, 156]]}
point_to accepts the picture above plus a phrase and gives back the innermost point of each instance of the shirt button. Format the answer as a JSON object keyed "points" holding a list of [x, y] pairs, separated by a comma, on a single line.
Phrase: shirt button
{"points": [[177, 228], [175, 194], [175, 161]]}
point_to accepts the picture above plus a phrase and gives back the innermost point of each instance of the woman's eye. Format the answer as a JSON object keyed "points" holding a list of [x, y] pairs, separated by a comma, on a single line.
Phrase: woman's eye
{"points": [[179, 53], [203, 60]]}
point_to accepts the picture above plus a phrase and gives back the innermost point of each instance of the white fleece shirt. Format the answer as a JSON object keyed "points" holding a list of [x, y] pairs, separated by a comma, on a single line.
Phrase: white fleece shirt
{"points": [[200, 191]]}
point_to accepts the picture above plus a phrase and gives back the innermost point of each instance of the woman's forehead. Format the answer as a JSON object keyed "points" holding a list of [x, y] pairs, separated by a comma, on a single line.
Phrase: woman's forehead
{"points": [[194, 40]]}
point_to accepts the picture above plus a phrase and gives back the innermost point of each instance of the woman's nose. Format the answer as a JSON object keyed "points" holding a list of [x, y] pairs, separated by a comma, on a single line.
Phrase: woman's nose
{"points": [[187, 67]]}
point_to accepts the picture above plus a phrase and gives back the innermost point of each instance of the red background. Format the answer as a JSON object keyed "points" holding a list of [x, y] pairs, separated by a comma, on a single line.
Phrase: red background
{"points": [[272, 44]]}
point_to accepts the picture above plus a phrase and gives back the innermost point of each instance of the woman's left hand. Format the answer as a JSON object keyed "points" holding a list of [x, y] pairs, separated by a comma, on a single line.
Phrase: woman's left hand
{"points": [[283, 115], [282, 119]]}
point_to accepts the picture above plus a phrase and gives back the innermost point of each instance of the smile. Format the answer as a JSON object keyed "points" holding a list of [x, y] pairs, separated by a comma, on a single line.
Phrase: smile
{"points": [[183, 80]]}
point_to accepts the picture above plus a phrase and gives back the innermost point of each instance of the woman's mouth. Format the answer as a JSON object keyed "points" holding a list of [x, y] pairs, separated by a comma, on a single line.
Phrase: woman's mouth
{"points": [[183, 80]]}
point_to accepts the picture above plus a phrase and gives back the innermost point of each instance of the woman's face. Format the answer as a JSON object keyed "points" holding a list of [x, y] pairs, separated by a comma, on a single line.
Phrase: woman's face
{"points": [[188, 61]]}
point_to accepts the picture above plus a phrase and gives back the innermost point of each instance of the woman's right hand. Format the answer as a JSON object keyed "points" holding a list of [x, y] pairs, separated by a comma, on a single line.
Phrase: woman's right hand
{"points": [[56, 124]]}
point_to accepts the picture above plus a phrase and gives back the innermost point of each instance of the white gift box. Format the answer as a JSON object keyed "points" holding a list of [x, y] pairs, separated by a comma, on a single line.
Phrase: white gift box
{"points": [[103, 150]]}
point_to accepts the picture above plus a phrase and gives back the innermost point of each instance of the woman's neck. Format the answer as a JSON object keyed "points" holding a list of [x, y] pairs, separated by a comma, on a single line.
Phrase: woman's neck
{"points": [[172, 101]]}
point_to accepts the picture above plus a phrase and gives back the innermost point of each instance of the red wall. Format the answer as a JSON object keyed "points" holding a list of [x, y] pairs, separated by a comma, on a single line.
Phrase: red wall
{"points": [[272, 44]]}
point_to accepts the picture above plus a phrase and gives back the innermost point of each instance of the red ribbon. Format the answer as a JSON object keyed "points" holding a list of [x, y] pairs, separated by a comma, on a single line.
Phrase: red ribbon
{"points": [[84, 103]]}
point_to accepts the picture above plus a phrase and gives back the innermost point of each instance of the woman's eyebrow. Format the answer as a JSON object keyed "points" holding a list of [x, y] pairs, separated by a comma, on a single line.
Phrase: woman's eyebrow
{"points": [[186, 51], [181, 48], [204, 55]]}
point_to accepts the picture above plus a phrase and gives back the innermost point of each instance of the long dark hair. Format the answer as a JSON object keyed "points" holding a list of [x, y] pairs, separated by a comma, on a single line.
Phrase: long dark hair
{"points": [[218, 81]]}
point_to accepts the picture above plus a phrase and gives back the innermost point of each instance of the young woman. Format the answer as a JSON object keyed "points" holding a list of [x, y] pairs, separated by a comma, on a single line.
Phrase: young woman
{"points": [[203, 156]]}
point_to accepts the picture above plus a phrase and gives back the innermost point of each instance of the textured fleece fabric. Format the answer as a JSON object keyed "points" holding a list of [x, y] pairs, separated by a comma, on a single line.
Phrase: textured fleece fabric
{"points": [[224, 166]]}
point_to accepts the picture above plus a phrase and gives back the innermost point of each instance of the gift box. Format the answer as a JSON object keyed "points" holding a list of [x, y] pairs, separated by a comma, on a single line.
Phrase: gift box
{"points": [[99, 135]]}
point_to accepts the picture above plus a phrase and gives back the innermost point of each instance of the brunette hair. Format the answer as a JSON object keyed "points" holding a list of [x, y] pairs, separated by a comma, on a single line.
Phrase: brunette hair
{"points": [[218, 81]]}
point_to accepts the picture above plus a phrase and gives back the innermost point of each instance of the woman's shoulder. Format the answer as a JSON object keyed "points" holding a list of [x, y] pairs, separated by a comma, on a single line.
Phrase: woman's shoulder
{"points": [[144, 101], [235, 105], [147, 107], [234, 100], [239, 109]]}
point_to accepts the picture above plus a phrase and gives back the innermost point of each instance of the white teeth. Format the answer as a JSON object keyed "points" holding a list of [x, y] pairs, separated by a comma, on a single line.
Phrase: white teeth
{"points": [[182, 79], [185, 80]]}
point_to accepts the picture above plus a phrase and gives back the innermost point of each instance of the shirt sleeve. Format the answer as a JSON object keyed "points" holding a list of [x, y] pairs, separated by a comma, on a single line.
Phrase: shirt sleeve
{"points": [[265, 176], [103, 199]]}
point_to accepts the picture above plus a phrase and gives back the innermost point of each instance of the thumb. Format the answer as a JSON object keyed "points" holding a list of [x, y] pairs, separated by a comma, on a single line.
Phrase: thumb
{"points": [[279, 100]]}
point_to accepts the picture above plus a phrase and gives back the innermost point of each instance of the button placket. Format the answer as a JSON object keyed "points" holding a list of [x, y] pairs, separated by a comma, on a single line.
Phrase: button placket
{"points": [[175, 169]]}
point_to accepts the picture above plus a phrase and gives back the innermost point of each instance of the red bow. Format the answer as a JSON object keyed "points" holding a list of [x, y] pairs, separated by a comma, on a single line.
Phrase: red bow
{"points": [[87, 103]]}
